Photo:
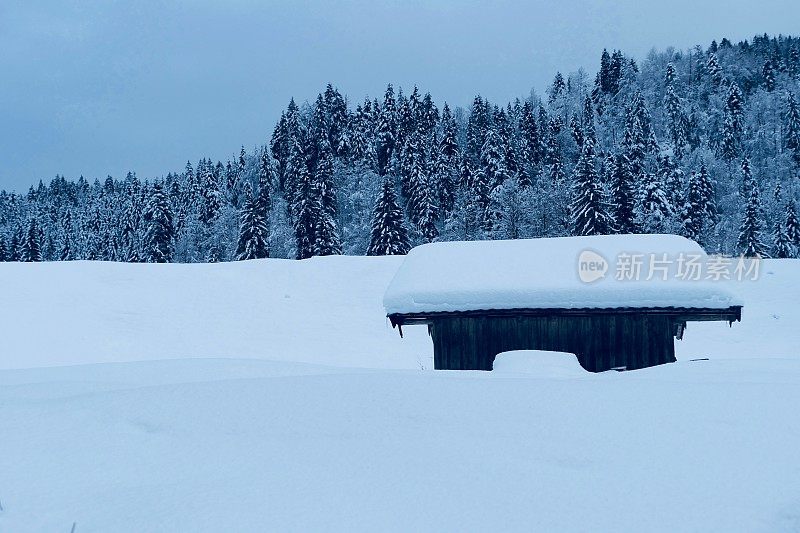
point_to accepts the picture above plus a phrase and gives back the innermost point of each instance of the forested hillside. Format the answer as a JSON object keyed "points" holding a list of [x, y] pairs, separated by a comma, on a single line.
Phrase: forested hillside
{"points": [[705, 143]]}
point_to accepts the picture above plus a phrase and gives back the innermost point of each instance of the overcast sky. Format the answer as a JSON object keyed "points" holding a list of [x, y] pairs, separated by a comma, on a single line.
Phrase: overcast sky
{"points": [[99, 87]]}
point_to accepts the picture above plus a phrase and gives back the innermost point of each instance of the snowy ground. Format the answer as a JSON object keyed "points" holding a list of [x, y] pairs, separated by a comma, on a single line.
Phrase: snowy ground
{"points": [[271, 395]]}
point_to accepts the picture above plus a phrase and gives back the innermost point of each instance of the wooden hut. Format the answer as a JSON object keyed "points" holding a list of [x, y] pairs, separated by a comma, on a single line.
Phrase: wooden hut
{"points": [[575, 294]]}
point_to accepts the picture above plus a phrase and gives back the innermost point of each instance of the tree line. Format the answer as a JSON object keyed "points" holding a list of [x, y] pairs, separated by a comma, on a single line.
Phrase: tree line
{"points": [[703, 142]]}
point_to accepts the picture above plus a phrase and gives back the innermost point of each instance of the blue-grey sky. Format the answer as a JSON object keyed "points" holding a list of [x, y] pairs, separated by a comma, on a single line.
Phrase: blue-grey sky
{"points": [[99, 87]]}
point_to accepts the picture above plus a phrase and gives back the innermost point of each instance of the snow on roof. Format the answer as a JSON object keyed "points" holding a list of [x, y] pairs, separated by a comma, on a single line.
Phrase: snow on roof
{"points": [[555, 273]]}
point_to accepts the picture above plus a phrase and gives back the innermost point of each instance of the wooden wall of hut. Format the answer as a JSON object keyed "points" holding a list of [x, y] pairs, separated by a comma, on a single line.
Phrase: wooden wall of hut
{"points": [[600, 342]]}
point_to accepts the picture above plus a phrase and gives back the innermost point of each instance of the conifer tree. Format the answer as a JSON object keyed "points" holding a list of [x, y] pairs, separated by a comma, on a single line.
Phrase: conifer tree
{"points": [[746, 186], [446, 162], [577, 131], [253, 242], [793, 127], [781, 246], [732, 127], [31, 248], [588, 209], [530, 138], [323, 178], [590, 132], [672, 178], [427, 211], [751, 243], [699, 211], [623, 195], [386, 135], [388, 235], [327, 234], [792, 226], [557, 89], [555, 166], [158, 238], [15, 244], [707, 189], [713, 68], [66, 252], [676, 125], [655, 210], [314, 223], [307, 212], [493, 162], [768, 72], [4, 256]]}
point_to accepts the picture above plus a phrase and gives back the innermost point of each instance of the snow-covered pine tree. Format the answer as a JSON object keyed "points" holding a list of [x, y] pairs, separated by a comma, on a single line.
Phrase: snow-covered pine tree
{"points": [[792, 135], [676, 121], [296, 172], [623, 195], [768, 73], [781, 246], [553, 155], [588, 209], [654, 211], [253, 241], [362, 139], [279, 146], [412, 168], [327, 240], [4, 256], [158, 245], [15, 244], [493, 163], [426, 209], [708, 193], [672, 178], [386, 131], [694, 218], [66, 252], [590, 131], [713, 68], [746, 186], [530, 140], [577, 131], [388, 235], [730, 144], [307, 210], [791, 225], [323, 178], [31, 247], [265, 184], [478, 123], [751, 241], [446, 161]]}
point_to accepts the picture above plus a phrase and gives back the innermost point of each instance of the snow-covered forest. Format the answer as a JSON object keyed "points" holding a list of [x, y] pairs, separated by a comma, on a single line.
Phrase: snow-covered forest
{"points": [[703, 142]]}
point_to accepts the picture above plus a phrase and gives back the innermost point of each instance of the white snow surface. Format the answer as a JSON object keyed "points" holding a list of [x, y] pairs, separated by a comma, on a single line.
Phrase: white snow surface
{"points": [[272, 396], [543, 274], [539, 363]]}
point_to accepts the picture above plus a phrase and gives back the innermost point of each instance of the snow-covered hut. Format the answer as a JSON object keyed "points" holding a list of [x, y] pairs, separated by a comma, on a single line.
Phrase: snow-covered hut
{"points": [[615, 301]]}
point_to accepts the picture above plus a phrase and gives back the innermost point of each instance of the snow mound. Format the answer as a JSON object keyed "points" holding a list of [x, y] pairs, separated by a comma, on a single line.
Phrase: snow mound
{"points": [[539, 363], [552, 273]]}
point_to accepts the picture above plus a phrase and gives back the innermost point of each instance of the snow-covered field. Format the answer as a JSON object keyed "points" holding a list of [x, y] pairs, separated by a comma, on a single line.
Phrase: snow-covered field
{"points": [[272, 395]]}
